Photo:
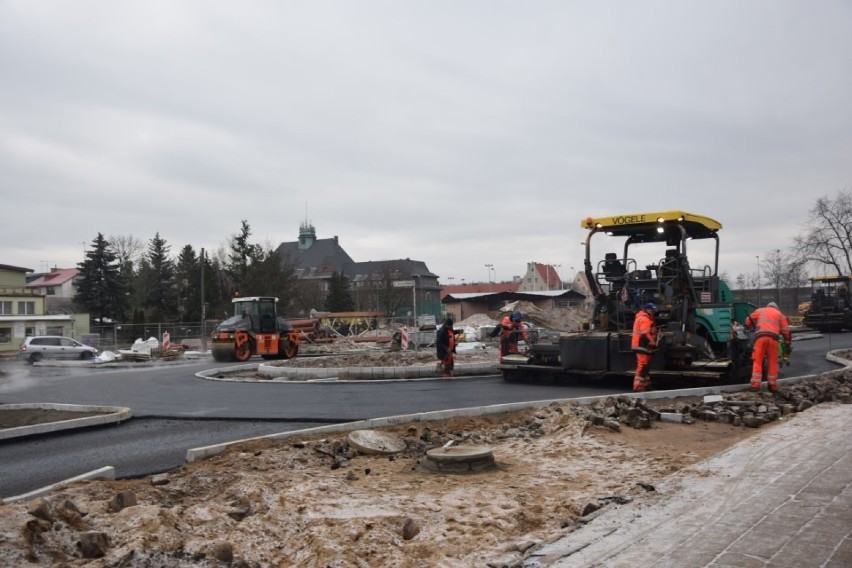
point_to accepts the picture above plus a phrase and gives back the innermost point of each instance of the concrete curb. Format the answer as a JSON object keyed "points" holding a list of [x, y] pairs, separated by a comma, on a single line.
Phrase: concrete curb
{"points": [[106, 472], [109, 415], [279, 374], [89, 364]]}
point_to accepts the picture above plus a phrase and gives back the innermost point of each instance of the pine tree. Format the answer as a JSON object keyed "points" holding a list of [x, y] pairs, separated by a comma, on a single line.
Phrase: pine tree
{"points": [[339, 299], [188, 281], [240, 258], [162, 299], [101, 290]]}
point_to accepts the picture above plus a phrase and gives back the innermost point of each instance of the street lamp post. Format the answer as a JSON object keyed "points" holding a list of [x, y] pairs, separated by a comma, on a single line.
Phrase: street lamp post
{"points": [[758, 282], [488, 268]]}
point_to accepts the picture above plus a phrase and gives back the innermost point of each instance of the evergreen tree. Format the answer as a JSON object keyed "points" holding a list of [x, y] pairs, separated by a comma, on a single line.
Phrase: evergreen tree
{"points": [[188, 280], [142, 281], [101, 290], [240, 258], [217, 291], [162, 298], [339, 299]]}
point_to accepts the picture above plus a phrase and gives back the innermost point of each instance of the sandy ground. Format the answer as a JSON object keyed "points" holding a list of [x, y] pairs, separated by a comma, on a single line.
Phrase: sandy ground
{"points": [[318, 502]]}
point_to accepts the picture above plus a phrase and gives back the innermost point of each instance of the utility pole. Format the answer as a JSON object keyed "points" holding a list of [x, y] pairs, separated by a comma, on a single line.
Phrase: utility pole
{"points": [[203, 308]]}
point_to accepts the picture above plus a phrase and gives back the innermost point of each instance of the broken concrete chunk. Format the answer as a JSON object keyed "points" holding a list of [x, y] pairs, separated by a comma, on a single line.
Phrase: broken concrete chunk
{"points": [[160, 479], [93, 544], [752, 421], [410, 528], [223, 551], [121, 500], [42, 509]]}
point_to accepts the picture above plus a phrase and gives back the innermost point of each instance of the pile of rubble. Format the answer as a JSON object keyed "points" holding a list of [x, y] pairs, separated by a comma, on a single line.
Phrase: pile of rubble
{"points": [[553, 319], [751, 409]]}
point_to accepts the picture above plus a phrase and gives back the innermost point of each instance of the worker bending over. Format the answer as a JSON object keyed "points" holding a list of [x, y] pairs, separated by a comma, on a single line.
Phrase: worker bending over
{"points": [[769, 326], [511, 330]]}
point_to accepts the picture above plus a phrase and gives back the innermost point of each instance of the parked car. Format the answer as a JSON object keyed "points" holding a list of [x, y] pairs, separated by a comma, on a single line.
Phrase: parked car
{"points": [[39, 347]]}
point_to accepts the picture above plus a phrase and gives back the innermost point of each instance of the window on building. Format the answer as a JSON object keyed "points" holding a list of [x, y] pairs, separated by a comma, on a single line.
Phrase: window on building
{"points": [[5, 335], [26, 308], [51, 291], [54, 330], [5, 308], [29, 331]]}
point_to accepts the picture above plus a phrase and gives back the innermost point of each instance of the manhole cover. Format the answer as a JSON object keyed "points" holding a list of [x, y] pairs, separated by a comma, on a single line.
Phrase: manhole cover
{"points": [[455, 459], [375, 443]]}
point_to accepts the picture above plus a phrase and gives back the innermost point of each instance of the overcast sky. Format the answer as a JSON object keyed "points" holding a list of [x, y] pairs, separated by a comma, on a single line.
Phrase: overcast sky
{"points": [[459, 133]]}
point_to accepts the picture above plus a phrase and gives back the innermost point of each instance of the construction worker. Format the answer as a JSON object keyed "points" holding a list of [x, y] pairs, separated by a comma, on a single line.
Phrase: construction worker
{"points": [[769, 326], [511, 330], [445, 344], [643, 343]]}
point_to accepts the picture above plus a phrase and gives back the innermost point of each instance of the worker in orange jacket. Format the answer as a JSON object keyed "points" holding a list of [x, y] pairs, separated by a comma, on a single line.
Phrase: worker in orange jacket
{"points": [[445, 345], [511, 330], [769, 326], [644, 343]]}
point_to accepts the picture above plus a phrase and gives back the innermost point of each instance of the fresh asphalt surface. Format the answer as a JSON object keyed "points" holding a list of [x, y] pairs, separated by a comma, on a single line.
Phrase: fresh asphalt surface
{"points": [[174, 410]]}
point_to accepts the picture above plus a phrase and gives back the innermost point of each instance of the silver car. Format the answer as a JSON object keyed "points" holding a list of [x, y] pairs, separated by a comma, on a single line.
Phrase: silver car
{"points": [[39, 347]]}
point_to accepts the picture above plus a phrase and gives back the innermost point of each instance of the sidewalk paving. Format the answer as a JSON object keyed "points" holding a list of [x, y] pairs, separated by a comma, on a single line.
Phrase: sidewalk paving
{"points": [[782, 498]]}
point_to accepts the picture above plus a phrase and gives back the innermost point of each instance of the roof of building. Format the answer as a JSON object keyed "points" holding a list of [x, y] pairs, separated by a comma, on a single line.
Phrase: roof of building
{"points": [[479, 288], [461, 296], [405, 267], [15, 268], [56, 277], [323, 256], [548, 273]]}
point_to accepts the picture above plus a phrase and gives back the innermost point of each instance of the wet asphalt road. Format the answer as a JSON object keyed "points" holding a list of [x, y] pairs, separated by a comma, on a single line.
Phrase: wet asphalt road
{"points": [[174, 410]]}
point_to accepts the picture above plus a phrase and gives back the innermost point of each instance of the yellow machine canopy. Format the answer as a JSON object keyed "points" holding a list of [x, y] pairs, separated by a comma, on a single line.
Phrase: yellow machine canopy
{"points": [[646, 227]]}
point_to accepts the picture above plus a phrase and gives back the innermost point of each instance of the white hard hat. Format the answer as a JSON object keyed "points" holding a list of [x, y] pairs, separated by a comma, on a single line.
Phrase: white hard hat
{"points": [[772, 305]]}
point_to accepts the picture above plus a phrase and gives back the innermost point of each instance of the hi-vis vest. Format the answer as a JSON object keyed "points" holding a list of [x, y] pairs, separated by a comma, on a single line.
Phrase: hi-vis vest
{"points": [[643, 332], [768, 322]]}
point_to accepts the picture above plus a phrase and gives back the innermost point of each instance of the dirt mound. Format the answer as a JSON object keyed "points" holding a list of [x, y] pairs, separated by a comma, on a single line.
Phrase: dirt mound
{"points": [[554, 319]]}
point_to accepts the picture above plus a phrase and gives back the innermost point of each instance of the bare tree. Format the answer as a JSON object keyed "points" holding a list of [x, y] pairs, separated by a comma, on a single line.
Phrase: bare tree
{"points": [[773, 271], [783, 270], [827, 242], [380, 286], [127, 248]]}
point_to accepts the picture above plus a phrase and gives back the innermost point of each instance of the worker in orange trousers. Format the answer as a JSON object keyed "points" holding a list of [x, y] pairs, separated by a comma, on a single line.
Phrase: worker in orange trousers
{"points": [[644, 343], [769, 326]]}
